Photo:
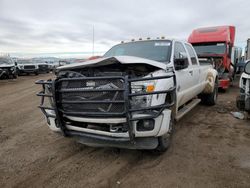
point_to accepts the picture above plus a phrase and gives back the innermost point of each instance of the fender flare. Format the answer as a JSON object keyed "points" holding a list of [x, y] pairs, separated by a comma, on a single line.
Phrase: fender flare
{"points": [[210, 80]]}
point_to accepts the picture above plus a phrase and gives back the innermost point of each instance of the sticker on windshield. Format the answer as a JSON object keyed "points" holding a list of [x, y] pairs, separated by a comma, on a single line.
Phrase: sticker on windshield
{"points": [[220, 44], [162, 43]]}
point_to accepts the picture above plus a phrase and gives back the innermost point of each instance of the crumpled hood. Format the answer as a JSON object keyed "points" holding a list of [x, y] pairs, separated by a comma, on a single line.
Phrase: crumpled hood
{"points": [[24, 64], [112, 60], [6, 65]]}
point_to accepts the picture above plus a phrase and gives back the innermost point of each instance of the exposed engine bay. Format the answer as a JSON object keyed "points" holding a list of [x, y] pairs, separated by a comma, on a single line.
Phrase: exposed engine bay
{"points": [[216, 62], [117, 69]]}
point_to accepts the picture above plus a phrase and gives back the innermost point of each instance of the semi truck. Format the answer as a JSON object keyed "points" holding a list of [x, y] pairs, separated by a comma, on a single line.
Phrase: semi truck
{"points": [[216, 45]]}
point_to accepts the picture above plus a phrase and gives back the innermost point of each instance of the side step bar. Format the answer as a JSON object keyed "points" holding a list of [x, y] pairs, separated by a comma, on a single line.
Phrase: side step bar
{"points": [[186, 109]]}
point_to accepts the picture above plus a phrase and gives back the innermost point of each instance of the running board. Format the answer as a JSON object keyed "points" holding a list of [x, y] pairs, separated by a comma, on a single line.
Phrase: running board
{"points": [[186, 109]]}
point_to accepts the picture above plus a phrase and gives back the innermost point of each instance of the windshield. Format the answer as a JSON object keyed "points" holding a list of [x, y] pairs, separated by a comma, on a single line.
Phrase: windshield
{"points": [[210, 48], [5, 61], [158, 50]]}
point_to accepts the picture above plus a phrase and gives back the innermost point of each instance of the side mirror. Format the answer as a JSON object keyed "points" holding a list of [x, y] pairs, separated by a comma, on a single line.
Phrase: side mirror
{"points": [[247, 68], [15, 63], [180, 64]]}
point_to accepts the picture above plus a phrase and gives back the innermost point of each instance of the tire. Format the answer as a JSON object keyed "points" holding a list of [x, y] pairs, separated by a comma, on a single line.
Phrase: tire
{"points": [[211, 98], [165, 140], [15, 76]]}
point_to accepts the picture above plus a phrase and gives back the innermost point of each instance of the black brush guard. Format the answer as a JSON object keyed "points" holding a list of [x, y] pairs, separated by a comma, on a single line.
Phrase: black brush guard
{"points": [[127, 96]]}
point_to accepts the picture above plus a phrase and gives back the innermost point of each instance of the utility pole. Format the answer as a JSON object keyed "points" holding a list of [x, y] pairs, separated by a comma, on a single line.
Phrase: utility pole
{"points": [[93, 41]]}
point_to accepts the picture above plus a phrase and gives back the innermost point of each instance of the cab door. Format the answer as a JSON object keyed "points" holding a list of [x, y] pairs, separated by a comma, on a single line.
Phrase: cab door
{"points": [[184, 76], [195, 70]]}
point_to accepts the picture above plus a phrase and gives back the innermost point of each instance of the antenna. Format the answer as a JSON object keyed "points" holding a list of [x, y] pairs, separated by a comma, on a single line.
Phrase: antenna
{"points": [[93, 41]]}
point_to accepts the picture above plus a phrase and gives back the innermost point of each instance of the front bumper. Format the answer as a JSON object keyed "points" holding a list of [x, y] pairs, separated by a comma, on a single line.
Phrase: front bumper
{"points": [[224, 83], [24, 71], [132, 138], [43, 69]]}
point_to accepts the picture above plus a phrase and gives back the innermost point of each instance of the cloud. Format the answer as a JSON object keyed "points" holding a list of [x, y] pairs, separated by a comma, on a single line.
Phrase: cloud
{"points": [[62, 25]]}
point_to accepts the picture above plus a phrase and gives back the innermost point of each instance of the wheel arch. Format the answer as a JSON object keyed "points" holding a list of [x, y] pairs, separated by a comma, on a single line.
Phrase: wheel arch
{"points": [[212, 76]]}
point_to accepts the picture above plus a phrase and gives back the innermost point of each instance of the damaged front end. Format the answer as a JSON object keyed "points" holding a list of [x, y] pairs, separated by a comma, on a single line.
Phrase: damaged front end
{"points": [[115, 104]]}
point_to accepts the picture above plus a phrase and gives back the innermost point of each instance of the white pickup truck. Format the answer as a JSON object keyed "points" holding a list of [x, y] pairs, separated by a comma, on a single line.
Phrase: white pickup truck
{"points": [[243, 100], [130, 97]]}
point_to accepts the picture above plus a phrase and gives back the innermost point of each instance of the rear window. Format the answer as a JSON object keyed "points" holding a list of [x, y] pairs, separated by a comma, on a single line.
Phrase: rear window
{"points": [[192, 54]]}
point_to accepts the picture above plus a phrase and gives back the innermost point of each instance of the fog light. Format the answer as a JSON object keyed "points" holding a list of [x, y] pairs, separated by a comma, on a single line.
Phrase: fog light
{"points": [[145, 125]]}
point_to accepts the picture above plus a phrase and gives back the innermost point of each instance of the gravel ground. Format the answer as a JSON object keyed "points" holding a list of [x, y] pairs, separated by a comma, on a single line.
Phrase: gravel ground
{"points": [[210, 149]]}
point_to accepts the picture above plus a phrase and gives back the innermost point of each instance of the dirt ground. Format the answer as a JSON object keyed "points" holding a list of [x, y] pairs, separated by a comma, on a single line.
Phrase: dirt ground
{"points": [[210, 149]]}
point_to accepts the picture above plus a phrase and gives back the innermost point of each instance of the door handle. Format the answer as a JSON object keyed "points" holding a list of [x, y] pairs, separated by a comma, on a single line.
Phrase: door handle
{"points": [[191, 72]]}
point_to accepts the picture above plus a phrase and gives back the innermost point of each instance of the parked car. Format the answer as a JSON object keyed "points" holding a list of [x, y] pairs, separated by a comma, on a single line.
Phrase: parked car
{"points": [[52, 65], [243, 100], [131, 96], [7, 68], [26, 66], [43, 67], [64, 62]]}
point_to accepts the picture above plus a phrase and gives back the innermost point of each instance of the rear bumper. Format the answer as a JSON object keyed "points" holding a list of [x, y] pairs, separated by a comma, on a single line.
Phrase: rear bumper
{"points": [[224, 83]]}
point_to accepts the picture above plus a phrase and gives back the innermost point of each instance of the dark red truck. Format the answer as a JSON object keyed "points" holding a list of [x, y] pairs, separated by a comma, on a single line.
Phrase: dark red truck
{"points": [[215, 45]]}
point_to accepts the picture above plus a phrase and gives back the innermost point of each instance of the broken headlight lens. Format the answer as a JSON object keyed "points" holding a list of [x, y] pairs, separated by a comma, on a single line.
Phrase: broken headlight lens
{"points": [[143, 100]]}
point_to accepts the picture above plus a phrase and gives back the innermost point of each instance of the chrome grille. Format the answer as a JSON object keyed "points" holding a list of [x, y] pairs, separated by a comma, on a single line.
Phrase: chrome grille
{"points": [[29, 67], [75, 90]]}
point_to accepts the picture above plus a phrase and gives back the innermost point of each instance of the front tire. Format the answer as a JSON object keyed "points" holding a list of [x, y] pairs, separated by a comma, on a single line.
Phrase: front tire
{"points": [[211, 98], [165, 140]]}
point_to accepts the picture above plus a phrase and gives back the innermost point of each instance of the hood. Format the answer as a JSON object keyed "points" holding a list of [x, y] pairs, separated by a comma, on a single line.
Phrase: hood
{"points": [[112, 60], [6, 65], [24, 64]]}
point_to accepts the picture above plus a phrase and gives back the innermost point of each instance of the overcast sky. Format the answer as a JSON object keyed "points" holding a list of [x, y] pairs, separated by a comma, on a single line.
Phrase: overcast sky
{"points": [[42, 26]]}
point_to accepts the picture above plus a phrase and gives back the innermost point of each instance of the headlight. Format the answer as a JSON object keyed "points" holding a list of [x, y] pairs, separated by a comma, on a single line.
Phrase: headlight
{"points": [[20, 66], [142, 87]]}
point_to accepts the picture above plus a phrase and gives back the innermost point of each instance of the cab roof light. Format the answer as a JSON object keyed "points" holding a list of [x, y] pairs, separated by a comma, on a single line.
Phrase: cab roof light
{"points": [[162, 37], [133, 40], [148, 38], [140, 38], [122, 42]]}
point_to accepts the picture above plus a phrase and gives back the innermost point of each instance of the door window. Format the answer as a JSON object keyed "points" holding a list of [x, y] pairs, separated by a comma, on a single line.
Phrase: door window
{"points": [[180, 56], [192, 54]]}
